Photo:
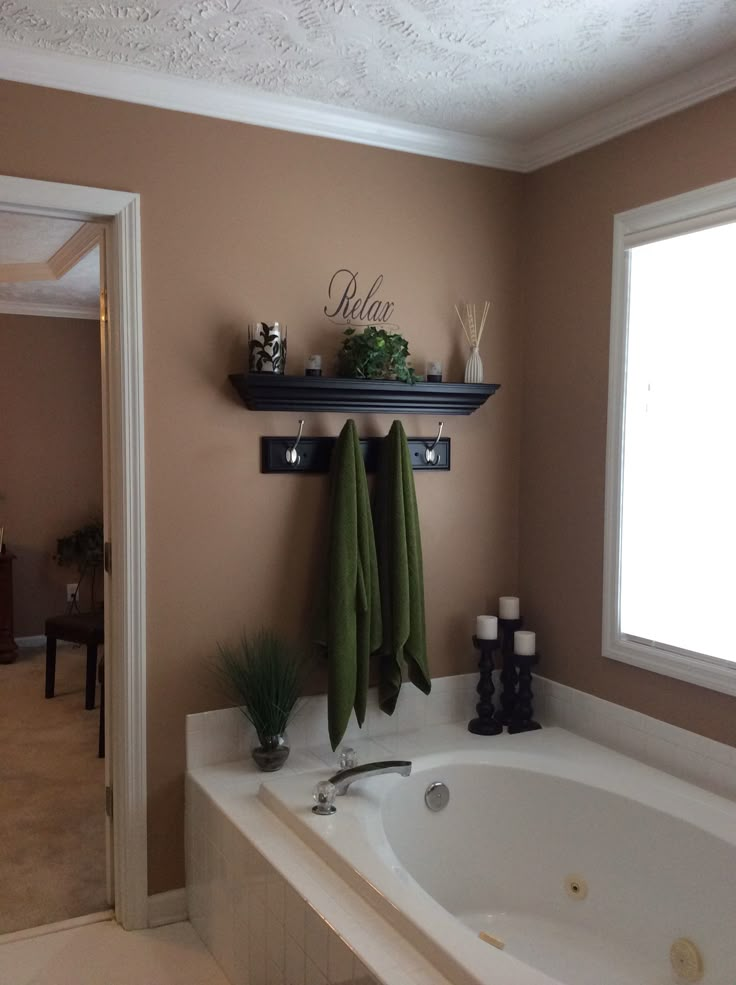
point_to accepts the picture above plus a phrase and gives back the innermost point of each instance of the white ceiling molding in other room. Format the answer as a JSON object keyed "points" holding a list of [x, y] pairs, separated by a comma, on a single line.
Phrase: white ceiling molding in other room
{"points": [[49, 267]]}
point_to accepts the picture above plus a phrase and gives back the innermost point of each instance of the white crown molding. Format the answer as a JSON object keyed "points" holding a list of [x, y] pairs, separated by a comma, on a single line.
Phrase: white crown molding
{"points": [[132, 85], [679, 92], [49, 310], [21, 273], [76, 248], [128, 84]]}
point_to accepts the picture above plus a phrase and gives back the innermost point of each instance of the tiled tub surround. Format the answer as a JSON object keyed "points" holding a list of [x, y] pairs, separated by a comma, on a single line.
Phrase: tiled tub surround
{"points": [[253, 884], [224, 736], [268, 908]]}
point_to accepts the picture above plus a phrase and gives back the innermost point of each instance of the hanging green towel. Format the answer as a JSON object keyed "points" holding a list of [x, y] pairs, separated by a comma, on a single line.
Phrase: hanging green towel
{"points": [[399, 549], [351, 612]]}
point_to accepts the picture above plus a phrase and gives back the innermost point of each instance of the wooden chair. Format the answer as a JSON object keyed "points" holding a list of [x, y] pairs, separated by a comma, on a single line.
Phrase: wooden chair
{"points": [[85, 628]]}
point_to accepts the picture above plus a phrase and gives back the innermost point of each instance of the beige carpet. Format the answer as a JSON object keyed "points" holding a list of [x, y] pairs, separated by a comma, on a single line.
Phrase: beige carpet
{"points": [[52, 794]]}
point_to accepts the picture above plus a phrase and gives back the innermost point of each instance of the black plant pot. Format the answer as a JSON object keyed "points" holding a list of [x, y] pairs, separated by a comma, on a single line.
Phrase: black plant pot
{"points": [[271, 754]]}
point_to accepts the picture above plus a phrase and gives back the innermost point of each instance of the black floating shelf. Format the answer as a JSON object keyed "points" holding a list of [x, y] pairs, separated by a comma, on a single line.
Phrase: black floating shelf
{"points": [[268, 391], [315, 454]]}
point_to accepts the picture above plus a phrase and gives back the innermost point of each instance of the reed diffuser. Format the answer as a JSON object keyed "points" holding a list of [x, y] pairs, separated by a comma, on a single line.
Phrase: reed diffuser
{"points": [[473, 333]]}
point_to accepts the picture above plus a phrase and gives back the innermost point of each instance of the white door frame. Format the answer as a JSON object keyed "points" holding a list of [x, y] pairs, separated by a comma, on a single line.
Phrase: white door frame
{"points": [[125, 611]]}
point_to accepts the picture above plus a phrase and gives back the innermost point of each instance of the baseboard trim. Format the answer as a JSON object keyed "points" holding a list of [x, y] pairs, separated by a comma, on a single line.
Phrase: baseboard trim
{"points": [[29, 641], [168, 907], [54, 928]]}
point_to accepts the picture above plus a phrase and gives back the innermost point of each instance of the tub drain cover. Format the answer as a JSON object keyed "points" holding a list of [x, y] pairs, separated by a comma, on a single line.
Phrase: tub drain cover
{"points": [[687, 962], [576, 887], [437, 796]]}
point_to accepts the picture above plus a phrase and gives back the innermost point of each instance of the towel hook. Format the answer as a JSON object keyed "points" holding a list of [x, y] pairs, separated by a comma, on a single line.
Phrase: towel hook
{"points": [[431, 456], [292, 455]]}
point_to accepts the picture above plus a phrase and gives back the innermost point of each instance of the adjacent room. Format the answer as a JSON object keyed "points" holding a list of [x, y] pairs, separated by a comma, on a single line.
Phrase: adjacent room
{"points": [[52, 803]]}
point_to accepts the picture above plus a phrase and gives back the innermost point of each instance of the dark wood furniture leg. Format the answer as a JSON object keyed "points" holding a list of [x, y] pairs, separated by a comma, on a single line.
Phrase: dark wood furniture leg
{"points": [[88, 630], [8, 647], [50, 665], [89, 698]]}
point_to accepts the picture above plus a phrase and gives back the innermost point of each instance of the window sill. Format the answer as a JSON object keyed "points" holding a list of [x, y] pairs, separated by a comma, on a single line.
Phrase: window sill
{"points": [[695, 668]]}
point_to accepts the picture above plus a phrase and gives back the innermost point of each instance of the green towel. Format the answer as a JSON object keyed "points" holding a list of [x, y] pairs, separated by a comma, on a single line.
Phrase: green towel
{"points": [[351, 613], [399, 549]]}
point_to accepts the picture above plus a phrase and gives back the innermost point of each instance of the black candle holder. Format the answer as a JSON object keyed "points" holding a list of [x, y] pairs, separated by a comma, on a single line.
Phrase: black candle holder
{"points": [[509, 673], [523, 715], [485, 723]]}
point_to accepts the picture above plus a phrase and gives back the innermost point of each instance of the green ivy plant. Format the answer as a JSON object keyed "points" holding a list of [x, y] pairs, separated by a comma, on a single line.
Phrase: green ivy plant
{"points": [[82, 547], [375, 354]]}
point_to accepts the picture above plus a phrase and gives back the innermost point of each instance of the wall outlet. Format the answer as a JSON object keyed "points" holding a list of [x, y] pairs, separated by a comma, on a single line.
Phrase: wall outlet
{"points": [[71, 590]]}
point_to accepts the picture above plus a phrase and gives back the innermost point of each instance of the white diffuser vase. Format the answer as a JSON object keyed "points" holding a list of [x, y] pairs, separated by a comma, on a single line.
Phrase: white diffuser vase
{"points": [[474, 367]]}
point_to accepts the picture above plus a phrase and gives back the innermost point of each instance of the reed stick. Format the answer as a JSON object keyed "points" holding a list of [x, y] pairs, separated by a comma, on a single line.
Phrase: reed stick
{"points": [[460, 317], [472, 330]]}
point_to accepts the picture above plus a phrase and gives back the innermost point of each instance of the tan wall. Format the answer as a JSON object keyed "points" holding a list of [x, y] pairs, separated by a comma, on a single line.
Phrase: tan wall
{"points": [[238, 224], [50, 452], [567, 270]]}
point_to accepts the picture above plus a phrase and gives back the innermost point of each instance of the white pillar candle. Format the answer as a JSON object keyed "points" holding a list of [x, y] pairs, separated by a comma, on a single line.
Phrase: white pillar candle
{"points": [[313, 365], [508, 607], [525, 643], [486, 627]]}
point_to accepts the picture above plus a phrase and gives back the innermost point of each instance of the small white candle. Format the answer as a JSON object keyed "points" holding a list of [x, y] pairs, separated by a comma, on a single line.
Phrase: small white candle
{"points": [[486, 627], [525, 643], [508, 607]]}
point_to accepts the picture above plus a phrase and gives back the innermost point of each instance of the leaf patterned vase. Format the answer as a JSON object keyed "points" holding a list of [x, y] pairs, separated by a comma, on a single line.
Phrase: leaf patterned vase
{"points": [[267, 348], [474, 367]]}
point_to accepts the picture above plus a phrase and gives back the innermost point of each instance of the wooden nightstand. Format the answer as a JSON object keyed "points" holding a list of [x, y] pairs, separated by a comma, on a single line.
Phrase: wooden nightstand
{"points": [[8, 647]]}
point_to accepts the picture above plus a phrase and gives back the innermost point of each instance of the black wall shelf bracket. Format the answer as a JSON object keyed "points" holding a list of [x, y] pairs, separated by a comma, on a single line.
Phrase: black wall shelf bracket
{"points": [[314, 454]]}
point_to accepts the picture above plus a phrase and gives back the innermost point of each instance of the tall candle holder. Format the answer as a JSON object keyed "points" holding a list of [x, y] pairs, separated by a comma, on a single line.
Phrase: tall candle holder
{"points": [[509, 673], [485, 723], [523, 714]]}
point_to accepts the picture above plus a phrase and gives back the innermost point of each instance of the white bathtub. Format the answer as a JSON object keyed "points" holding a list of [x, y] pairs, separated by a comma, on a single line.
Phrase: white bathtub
{"points": [[526, 814]]}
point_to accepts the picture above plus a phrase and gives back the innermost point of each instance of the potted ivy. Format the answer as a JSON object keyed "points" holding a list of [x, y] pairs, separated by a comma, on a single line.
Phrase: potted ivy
{"points": [[375, 354], [263, 675], [83, 550]]}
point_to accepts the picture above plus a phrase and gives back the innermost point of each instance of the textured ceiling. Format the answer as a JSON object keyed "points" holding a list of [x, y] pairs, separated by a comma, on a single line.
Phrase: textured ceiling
{"points": [[34, 239], [508, 69]]}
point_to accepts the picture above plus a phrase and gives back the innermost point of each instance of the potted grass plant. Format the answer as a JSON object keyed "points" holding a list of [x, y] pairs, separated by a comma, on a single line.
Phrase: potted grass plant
{"points": [[263, 675]]}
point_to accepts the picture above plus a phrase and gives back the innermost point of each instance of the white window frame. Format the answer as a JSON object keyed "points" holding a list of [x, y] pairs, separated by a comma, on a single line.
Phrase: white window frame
{"points": [[700, 209]]}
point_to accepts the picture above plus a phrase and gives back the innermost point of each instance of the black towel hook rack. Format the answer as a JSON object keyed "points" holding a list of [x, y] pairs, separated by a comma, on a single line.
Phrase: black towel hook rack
{"points": [[306, 455]]}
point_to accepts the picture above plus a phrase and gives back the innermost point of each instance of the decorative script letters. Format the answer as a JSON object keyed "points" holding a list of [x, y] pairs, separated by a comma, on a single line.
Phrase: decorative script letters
{"points": [[346, 307]]}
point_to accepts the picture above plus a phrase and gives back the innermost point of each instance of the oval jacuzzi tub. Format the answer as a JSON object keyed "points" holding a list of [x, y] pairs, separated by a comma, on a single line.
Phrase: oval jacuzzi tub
{"points": [[585, 866]]}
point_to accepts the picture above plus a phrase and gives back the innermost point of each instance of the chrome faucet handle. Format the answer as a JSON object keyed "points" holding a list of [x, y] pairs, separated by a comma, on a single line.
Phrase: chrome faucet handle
{"points": [[324, 798], [348, 758]]}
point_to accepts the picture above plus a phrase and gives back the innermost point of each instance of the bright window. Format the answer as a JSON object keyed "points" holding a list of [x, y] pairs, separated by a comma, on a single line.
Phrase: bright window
{"points": [[670, 578]]}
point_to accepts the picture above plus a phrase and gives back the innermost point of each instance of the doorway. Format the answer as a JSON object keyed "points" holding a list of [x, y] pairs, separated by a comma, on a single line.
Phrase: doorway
{"points": [[54, 864], [116, 216]]}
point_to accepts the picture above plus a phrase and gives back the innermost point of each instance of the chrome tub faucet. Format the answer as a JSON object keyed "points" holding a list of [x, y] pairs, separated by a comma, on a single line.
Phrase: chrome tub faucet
{"points": [[338, 785]]}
